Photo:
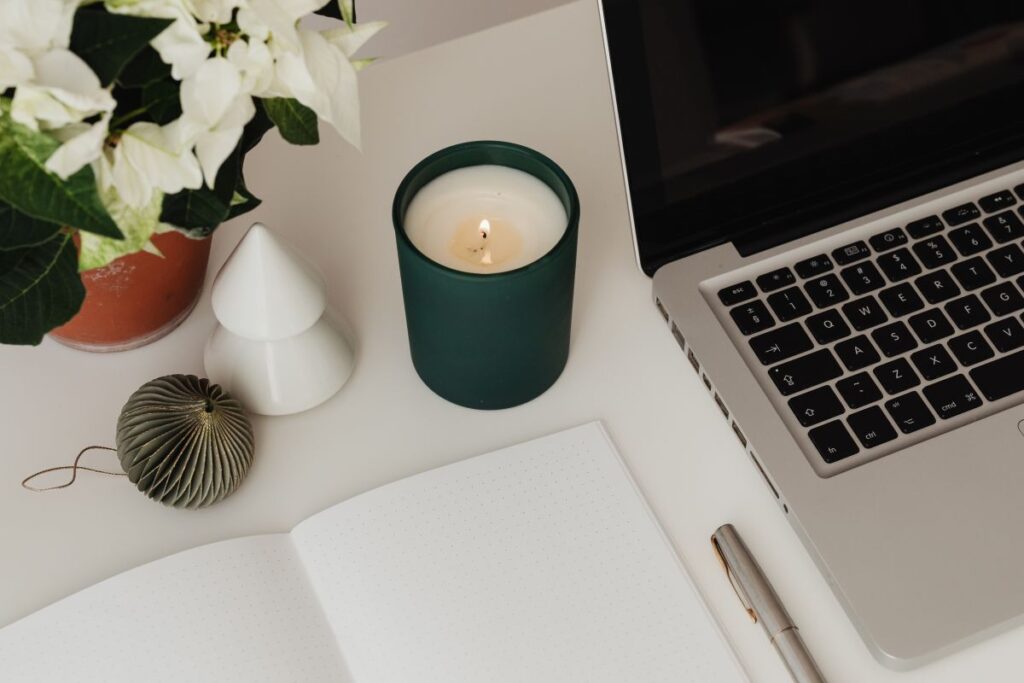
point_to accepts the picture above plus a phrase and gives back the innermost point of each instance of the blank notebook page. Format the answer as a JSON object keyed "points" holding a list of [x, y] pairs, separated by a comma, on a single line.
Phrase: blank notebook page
{"points": [[539, 562], [238, 611]]}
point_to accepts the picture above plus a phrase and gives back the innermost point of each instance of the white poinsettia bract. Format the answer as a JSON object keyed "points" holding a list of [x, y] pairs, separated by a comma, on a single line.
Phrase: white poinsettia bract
{"points": [[218, 59]]}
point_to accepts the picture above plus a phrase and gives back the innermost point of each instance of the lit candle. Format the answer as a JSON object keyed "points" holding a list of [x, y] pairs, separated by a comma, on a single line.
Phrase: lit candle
{"points": [[485, 219], [486, 234]]}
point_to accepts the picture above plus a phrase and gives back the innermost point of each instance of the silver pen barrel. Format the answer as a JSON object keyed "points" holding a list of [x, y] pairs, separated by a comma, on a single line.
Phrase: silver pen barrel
{"points": [[796, 657], [763, 604]]}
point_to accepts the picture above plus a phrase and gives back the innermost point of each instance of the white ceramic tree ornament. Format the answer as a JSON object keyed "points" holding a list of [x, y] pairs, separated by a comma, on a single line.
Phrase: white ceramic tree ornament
{"points": [[276, 348]]}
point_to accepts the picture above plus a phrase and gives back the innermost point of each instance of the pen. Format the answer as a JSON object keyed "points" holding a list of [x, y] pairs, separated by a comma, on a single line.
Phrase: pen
{"points": [[763, 605]]}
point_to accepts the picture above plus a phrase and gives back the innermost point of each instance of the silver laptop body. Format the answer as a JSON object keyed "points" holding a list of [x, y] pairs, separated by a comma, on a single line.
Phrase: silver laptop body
{"points": [[918, 531]]}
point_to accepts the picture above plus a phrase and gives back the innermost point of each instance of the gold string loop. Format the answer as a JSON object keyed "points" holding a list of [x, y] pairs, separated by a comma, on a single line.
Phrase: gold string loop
{"points": [[74, 471]]}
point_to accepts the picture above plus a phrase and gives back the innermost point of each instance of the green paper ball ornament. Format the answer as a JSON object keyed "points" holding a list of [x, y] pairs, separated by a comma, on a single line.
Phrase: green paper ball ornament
{"points": [[184, 441]]}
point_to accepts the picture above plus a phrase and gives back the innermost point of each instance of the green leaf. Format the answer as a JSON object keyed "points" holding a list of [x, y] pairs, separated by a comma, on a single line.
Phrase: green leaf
{"points": [[137, 224], [256, 128], [19, 230], [107, 42], [197, 213], [243, 200], [39, 289], [296, 121], [162, 100], [145, 68], [194, 212], [332, 9], [26, 185]]}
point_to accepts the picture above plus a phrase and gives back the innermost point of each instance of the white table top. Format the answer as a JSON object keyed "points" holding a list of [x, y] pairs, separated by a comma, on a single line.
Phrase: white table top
{"points": [[541, 82]]}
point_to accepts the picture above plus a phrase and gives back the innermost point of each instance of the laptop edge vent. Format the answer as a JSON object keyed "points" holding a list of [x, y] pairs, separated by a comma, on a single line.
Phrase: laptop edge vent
{"points": [[719, 401]]}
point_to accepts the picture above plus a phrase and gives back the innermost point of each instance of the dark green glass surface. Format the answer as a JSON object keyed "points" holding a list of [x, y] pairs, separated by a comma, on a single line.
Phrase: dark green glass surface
{"points": [[497, 340]]}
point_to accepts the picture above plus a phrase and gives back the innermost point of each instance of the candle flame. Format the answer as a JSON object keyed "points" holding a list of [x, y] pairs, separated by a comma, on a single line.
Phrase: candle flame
{"points": [[485, 228]]}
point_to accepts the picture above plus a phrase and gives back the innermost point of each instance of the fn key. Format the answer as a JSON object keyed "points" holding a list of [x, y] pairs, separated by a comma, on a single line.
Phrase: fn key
{"points": [[833, 441]]}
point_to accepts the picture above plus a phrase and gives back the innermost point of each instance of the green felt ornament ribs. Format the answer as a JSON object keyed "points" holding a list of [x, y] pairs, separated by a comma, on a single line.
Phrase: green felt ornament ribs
{"points": [[184, 441]]}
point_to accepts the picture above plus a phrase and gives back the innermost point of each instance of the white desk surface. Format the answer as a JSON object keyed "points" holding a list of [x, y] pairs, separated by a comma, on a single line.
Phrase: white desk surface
{"points": [[539, 81]]}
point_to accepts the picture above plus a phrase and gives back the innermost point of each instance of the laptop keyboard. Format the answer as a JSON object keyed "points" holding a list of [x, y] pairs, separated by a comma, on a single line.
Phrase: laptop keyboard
{"points": [[882, 338]]}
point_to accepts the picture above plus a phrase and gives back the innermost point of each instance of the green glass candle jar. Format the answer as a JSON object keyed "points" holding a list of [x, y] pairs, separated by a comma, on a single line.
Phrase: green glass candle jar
{"points": [[486, 280]]}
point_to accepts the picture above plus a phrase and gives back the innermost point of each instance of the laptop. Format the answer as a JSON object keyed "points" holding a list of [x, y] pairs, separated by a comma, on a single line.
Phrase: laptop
{"points": [[829, 198]]}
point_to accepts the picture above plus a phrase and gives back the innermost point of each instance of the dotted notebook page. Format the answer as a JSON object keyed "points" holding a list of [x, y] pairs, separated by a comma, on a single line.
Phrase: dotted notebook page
{"points": [[239, 610], [536, 563]]}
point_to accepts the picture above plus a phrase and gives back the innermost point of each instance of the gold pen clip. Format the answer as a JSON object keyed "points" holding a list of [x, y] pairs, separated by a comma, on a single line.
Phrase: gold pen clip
{"points": [[732, 581]]}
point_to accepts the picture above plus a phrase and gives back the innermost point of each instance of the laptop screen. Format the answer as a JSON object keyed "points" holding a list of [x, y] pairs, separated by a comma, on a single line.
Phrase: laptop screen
{"points": [[759, 121]]}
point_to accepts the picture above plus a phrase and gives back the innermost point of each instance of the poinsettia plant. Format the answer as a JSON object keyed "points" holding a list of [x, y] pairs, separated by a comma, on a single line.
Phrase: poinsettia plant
{"points": [[121, 119]]}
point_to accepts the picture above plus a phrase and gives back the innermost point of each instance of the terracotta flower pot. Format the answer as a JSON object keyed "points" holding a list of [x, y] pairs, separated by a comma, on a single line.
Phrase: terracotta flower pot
{"points": [[138, 298]]}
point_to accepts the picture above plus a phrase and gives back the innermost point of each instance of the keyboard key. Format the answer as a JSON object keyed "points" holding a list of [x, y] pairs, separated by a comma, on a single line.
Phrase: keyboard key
{"points": [[973, 273], [909, 413], [970, 239], [896, 376], [1004, 227], [826, 291], [864, 313], [789, 303], [1001, 377], [961, 214], [970, 348], [816, 265], [858, 390], [890, 239], [937, 286], [769, 282], [953, 396], [863, 277], [899, 265], [1006, 335], [997, 202], [832, 441], [737, 293], [1007, 261], [827, 327], [752, 317], [934, 252], [1019, 191], [900, 300], [1003, 299], [816, 406], [967, 311], [871, 427], [924, 227], [857, 353], [931, 326], [850, 253], [805, 372], [933, 362], [779, 344], [894, 339]]}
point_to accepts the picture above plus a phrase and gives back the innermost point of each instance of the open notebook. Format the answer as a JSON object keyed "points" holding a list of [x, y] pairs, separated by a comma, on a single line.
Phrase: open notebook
{"points": [[539, 562]]}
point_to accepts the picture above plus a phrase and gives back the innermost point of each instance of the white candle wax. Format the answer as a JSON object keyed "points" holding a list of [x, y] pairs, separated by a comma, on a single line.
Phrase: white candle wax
{"points": [[485, 219]]}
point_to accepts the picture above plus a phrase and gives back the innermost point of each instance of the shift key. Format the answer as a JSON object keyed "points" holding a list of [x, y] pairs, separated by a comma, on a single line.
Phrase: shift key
{"points": [[1000, 378], [805, 372]]}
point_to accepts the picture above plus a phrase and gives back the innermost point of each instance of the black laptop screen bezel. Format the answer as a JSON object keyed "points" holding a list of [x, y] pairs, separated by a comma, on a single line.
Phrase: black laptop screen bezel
{"points": [[879, 169]]}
